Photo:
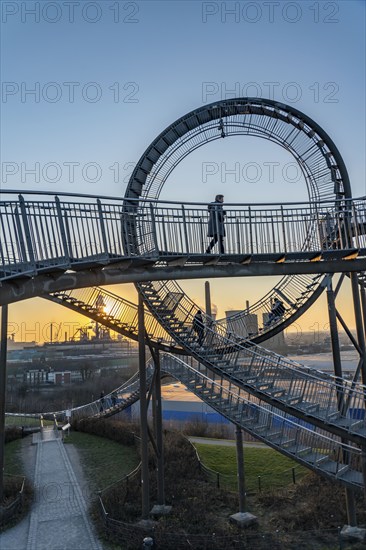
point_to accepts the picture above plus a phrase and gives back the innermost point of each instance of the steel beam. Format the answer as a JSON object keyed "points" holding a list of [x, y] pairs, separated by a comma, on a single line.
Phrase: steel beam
{"points": [[23, 288]]}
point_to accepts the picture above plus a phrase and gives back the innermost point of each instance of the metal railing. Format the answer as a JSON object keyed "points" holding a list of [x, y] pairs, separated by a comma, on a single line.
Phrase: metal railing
{"points": [[338, 403], [265, 373], [308, 445], [111, 403], [304, 443], [112, 310], [67, 230]]}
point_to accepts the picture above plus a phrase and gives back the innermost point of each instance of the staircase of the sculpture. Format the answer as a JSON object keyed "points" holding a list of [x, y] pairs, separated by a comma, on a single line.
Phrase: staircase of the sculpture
{"points": [[114, 312], [297, 293], [259, 371], [127, 394], [310, 447], [338, 407], [323, 453]]}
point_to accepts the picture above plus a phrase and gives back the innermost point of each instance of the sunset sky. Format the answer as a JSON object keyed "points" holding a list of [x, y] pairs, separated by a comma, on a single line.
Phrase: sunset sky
{"points": [[86, 86]]}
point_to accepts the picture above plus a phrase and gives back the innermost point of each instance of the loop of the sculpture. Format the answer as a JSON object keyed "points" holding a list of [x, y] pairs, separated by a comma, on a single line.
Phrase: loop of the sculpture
{"points": [[320, 162]]}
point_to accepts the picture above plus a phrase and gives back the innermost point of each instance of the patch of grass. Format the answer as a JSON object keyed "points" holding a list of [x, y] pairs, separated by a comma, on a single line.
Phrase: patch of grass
{"points": [[274, 469], [13, 458], [104, 461], [13, 480], [24, 421]]}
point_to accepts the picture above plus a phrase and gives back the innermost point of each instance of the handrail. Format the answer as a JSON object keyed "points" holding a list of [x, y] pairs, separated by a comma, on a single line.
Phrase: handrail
{"points": [[143, 200]]}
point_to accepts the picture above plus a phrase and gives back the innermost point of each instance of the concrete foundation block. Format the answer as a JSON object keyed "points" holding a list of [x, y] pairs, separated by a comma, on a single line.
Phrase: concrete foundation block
{"points": [[146, 524], [160, 510], [243, 519], [353, 534]]}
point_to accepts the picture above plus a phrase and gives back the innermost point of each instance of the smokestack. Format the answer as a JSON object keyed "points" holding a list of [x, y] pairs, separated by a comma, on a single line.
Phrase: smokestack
{"points": [[208, 299]]}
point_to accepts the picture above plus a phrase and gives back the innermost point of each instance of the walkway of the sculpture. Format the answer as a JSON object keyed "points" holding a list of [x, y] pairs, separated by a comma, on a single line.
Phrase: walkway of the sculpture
{"points": [[58, 519]]}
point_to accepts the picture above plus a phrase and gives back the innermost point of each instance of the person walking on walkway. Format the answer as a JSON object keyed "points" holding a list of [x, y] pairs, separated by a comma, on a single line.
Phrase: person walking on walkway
{"points": [[277, 312], [199, 327], [101, 400], [216, 227]]}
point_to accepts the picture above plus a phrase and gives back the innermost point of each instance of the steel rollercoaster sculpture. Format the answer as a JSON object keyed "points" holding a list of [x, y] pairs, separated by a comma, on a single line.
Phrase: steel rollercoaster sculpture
{"points": [[59, 247]]}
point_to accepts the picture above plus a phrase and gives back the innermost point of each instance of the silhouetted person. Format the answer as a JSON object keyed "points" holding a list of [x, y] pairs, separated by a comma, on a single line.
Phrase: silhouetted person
{"points": [[199, 327], [216, 227], [101, 399], [277, 311]]}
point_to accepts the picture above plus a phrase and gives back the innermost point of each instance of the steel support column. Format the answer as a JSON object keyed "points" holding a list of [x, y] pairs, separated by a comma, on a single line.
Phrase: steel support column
{"points": [[334, 337], [143, 413], [159, 431], [359, 322], [336, 352], [360, 328], [363, 302], [241, 475], [208, 299], [3, 350]]}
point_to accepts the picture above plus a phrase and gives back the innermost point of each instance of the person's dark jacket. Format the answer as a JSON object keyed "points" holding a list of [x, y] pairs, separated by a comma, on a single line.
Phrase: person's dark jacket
{"points": [[216, 221]]}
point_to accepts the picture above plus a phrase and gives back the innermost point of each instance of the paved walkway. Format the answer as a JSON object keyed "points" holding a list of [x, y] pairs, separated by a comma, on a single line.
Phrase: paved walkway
{"points": [[58, 519]]}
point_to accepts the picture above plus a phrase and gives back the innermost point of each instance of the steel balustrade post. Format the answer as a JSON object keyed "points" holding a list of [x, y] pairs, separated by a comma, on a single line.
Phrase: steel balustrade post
{"points": [[153, 223], [283, 231], [27, 233], [102, 227], [164, 235], [3, 353], [185, 231], [237, 225], [250, 229], [355, 225], [202, 236], [143, 412], [61, 224], [20, 237]]}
